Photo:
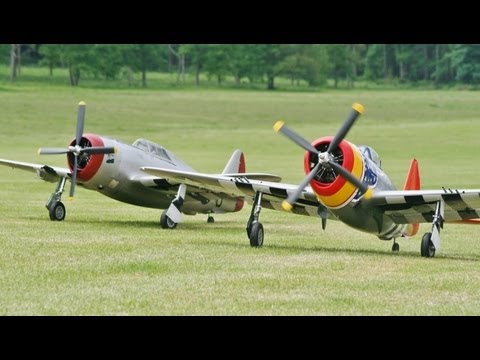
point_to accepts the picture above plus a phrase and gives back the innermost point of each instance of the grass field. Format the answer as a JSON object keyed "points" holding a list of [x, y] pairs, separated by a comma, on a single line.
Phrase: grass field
{"points": [[110, 258]]}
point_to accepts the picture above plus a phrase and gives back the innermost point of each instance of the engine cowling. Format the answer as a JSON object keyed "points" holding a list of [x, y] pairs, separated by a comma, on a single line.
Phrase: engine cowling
{"points": [[333, 190], [88, 164]]}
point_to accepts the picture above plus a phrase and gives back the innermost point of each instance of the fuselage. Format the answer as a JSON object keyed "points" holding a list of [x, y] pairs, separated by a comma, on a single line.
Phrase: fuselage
{"points": [[344, 200], [119, 177]]}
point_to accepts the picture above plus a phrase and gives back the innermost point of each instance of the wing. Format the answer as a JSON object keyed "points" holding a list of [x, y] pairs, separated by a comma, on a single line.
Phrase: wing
{"points": [[245, 185], [45, 172], [418, 206]]}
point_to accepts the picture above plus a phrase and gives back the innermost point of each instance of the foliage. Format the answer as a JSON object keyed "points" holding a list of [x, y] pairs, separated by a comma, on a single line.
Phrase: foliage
{"points": [[313, 64]]}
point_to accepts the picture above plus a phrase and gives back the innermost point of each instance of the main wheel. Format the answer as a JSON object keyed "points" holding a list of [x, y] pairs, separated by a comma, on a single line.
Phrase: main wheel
{"points": [[166, 222], [256, 235], [57, 211], [427, 249], [396, 247], [210, 219]]}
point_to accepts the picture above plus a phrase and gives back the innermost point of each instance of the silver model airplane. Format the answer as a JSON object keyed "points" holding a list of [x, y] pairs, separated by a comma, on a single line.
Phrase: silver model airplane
{"points": [[347, 184], [114, 169]]}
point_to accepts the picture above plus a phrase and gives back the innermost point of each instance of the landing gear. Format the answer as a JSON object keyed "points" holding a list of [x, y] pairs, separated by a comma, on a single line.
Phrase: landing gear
{"points": [[427, 249], [172, 216], [166, 222], [54, 205], [210, 219], [254, 227], [395, 247], [256, 235], [57, 211], [431, 240]]}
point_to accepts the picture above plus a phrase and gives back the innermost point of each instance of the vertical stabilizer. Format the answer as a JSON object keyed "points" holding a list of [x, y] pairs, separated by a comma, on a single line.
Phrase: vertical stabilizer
{"points": [[236, 164], [412, 182]]}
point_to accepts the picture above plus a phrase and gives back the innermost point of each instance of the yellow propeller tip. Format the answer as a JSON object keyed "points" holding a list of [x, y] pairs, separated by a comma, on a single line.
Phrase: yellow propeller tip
{"points": [[286, 206], [70, 198], [39, 150], [114, 150], [278, 125], [358, 107], [368, 195], [82, 103]]}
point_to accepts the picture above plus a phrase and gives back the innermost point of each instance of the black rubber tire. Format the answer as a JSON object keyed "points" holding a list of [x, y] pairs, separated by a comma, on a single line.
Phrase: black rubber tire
{"points": [[166, 222], [396, 247], [427, 249], [210, 220], [256, 235], [57, 211]]}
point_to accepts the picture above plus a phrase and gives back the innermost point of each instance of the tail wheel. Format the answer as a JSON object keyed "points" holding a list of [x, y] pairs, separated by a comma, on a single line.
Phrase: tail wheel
{"points": [[166, 222], [256, 235], [427, 249]]}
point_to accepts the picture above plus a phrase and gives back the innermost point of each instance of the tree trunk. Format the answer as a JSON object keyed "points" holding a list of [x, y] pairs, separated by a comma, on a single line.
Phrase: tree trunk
{"points": [[14, 61], [385, 62], [50, 68], [74, 75], [271, 82], [144, 78], [425, 67], [237, 80], [197, 74], [437, 64]]}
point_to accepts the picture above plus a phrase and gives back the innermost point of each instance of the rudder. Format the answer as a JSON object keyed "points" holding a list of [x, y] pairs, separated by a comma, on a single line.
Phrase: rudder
{"points": [[412, 182], [236, 164]]}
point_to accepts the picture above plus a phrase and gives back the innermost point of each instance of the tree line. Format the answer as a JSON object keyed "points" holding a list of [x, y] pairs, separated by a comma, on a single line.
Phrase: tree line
{"points": [[313, 64]]}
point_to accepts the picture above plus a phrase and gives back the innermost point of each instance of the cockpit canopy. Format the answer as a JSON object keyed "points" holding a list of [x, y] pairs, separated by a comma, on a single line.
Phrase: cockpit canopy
{"points": [[152, 148], [371, 154]]}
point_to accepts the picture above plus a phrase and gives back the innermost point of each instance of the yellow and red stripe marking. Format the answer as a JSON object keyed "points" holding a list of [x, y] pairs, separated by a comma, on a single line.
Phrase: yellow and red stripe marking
{"points": [[338, 193]]}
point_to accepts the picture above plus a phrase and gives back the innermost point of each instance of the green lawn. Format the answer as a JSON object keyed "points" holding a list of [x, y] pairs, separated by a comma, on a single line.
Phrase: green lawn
{"points": [[110, 258]]}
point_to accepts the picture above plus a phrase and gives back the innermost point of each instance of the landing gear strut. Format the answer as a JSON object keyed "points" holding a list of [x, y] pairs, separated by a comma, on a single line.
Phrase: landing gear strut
{"points": [[56, 209], [431, 240], [172, 216], [254, 227]]}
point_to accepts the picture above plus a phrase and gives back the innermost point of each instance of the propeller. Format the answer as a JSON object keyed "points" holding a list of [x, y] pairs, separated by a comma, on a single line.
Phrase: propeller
{"points": [[326, 159], [77, 150]]}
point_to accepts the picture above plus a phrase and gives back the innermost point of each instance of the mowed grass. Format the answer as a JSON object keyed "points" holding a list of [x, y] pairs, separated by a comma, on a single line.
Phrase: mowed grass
{"points": [[110, 258]]}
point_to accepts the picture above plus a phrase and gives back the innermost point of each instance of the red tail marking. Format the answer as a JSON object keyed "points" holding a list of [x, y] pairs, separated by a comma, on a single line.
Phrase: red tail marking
{"points": [[241, 169], [412, 182], [241, 166]]}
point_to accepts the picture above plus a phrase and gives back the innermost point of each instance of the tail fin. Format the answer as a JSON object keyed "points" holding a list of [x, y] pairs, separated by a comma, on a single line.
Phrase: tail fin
{"points": [[412, 182], [236, 164]]}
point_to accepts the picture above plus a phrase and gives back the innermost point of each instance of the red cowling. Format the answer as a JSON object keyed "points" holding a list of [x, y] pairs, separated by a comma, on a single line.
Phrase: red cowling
{"points": [[333, 190], [88, 164]]}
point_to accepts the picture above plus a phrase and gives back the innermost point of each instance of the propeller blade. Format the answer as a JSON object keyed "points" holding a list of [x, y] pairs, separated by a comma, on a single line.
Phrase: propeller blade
{"points": [[80, 122], [297, 139], [357, 109], [98, 150], [348, 176], [53, 151], [74, 177], [288, 203]]}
